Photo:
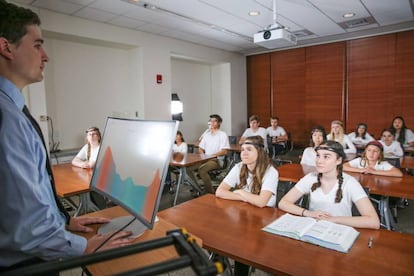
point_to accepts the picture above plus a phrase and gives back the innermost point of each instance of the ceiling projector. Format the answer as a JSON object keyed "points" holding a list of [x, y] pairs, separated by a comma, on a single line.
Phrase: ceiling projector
{"points": [[274, 38]]}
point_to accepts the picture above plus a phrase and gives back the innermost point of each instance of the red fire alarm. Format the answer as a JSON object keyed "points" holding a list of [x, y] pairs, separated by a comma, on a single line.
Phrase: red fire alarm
{"points": [[159, 78]]}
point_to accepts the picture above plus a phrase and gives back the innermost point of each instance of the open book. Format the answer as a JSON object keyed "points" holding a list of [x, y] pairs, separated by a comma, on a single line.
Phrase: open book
{"points": [[323, 233]]}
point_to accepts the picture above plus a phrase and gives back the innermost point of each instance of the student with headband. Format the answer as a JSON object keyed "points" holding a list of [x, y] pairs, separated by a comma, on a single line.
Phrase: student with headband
{"points": [[86, 157], [254, 179], [337, 134], [331, 192], [372, 162]]}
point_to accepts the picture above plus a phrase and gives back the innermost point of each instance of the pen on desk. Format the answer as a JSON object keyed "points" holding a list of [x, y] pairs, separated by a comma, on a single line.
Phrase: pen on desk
{"points": [[371, 239]]}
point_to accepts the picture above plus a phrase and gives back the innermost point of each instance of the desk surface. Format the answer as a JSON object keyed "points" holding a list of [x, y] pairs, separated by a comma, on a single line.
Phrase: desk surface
{"points": [[190, 159], [71, 180], [138, 260], [379, 185], [233, 229]]}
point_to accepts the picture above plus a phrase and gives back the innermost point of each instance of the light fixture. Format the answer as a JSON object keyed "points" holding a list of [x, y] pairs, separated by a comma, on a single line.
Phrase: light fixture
{"points": [[348, 15], [254, 13], [176, 107]]}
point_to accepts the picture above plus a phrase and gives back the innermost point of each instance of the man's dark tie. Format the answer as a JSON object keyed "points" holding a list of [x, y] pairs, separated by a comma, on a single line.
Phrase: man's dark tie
{"points": [[48, 167]]}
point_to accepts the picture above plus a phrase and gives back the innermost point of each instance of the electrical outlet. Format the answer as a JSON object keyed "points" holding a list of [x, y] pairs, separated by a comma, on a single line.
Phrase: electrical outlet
{"points": [[43, 118]]}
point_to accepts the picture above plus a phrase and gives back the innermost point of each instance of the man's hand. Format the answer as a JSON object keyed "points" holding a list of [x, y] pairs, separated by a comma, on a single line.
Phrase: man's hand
{"points": [[120, 239], [79, 223]]}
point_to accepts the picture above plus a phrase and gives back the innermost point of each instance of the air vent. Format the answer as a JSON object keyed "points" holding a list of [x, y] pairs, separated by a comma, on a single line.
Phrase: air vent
{"points": [[357, 22], [302, 33]]}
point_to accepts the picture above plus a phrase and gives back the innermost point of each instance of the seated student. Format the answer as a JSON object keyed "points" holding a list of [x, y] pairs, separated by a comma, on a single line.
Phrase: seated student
{"points": [[331, 192], [360, 137], [392, 148], [254, 179], [337, 134], [403, 134], [179, 149], [277, 136], [318, 135], [86, 157], [214, 142], [254, 130], [372, 162]]}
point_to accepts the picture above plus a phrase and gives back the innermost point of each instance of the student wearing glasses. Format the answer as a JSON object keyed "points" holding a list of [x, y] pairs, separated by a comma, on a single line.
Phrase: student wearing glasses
{"points": [[214, 142], [331, 192], [86, 157]]}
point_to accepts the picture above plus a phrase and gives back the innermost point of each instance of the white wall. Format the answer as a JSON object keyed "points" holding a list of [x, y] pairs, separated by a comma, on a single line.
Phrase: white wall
{"points": [[96, 69]]}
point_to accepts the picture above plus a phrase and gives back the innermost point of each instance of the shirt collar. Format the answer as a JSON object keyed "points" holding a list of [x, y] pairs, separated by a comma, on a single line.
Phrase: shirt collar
{"points": [[11, 91]]}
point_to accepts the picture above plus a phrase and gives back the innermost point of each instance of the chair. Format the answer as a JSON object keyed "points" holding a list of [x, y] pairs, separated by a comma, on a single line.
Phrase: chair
{"points": [[220, 173]]}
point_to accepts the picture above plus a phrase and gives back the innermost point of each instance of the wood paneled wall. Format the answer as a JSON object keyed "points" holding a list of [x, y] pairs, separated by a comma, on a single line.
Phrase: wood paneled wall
{"points": [[367, 80]]}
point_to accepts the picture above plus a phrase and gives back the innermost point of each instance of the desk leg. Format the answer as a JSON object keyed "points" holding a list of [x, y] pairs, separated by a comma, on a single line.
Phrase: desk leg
{"points": [[179, 181], [386, 213], [85, 205]]}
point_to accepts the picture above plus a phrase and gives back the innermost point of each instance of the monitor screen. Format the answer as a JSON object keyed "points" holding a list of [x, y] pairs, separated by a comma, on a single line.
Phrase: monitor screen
{"points": [[132, 164]]}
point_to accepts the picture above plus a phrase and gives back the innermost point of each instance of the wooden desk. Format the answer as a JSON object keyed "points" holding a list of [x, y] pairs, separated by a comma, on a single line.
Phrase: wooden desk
{"points": [[188, 160], [70, 180], [407, 162], [409, 150], [385, 186], [233, 229], [74, 181], [138, 260]]}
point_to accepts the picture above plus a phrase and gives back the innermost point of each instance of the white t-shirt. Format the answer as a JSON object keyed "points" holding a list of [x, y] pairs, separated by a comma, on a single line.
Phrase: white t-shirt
{"points": [[359, 140], [382, 166], [260, 131], [270, 181], [393, 150], [82, 154], [352, 191], [214, 142], [409, 137], [181, 148], [279, 131], [347, 144], [308, 157]]}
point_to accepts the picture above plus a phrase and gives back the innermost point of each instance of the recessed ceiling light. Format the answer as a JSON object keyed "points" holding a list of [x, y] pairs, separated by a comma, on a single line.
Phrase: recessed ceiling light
{"points": [[254, 13], [348, 15]]}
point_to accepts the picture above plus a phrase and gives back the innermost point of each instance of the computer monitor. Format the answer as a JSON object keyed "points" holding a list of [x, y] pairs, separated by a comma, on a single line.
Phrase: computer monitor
{"points": [[131, 167]]}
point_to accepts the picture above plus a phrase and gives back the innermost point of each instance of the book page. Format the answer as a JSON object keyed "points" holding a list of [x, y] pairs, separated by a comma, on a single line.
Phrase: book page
{"points": [[295, 226]]}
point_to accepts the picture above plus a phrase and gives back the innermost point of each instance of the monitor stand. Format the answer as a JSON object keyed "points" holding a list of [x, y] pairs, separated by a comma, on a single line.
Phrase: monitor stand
{"points": [[136, 227]]}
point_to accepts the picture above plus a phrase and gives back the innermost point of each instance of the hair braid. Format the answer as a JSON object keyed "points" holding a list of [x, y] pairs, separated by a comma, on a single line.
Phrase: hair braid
{"points": [[338, 197], [317, 184]]}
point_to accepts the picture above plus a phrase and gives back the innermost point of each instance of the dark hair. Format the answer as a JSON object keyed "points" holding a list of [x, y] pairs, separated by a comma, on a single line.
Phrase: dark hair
{"points": [[318, 129], [217, 117], [361, 125], [14, 21], [181, 135], [339, 150], [401, 135], [262, 164]]}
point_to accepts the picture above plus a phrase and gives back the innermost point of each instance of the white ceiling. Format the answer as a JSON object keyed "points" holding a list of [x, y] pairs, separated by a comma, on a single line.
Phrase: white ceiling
{"points": [[226, 24]]}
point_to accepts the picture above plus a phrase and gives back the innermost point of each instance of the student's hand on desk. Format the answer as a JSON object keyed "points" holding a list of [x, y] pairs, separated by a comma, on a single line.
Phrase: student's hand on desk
{"points": [[318, 214], [78, 224], [118, 240]]}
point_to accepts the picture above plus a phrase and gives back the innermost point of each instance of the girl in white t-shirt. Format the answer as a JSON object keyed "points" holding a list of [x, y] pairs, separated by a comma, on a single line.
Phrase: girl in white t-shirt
{"points": [[254, 179], [86, 157], [318, 135], [337, 134], [392, 148], [403, 134], [331, 193], [372, 162]]}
